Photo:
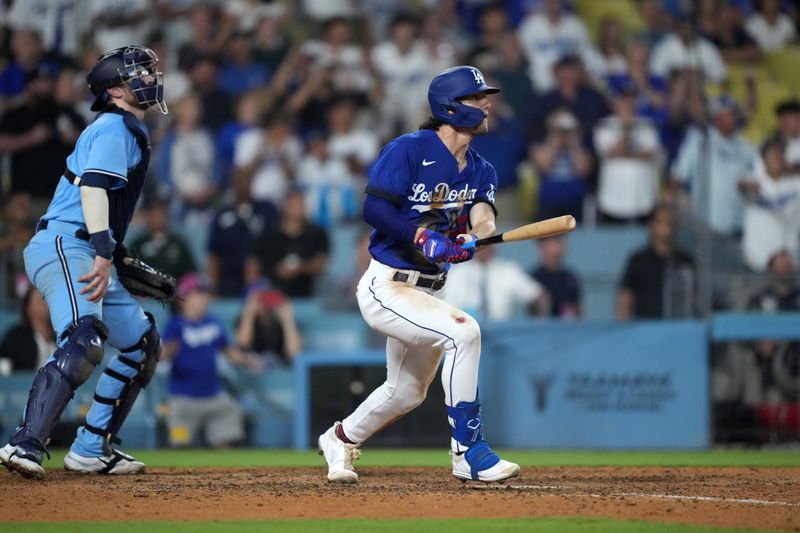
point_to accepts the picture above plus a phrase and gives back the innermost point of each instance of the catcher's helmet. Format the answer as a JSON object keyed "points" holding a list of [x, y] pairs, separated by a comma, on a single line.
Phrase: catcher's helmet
{"points": [[450, 85], [134, 66]]}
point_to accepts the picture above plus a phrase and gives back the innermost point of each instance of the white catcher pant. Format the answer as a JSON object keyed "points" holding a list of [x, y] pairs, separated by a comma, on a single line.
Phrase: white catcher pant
{"points": [[420, 328]]}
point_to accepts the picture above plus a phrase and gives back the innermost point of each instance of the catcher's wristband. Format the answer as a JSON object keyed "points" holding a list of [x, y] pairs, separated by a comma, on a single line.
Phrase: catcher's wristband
{"points": [[101, 241]]}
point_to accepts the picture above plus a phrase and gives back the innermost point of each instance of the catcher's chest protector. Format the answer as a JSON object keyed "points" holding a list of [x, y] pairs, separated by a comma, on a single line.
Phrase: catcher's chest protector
{"points": [[122, 202]]}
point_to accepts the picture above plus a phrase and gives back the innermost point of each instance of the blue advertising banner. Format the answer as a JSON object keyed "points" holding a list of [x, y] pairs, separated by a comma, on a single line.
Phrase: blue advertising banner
{"points": [[596, 385]]}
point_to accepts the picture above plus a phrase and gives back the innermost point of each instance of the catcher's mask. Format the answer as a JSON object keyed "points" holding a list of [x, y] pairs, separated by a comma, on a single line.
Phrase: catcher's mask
{"points": [[132, 66]]}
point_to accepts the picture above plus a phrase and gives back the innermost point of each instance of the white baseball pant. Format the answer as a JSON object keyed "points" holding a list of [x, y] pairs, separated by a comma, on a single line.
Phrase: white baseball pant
{"points": [[420, 326]]}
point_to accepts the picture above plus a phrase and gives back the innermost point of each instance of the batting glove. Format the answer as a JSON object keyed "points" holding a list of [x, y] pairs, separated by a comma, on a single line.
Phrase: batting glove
{"points": [[435, 246], [463, 253]]}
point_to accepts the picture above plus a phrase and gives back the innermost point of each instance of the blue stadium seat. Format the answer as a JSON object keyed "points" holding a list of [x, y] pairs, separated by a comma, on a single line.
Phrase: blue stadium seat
{"points": [[334, 331]]}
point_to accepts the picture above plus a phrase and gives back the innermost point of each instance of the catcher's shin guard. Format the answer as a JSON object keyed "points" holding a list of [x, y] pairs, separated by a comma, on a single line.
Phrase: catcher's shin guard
{"points": [[150, 345], [55, 384]]}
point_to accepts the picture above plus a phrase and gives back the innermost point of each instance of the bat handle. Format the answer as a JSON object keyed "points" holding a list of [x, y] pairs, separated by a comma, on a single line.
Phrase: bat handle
{"points": [[469, 245]]}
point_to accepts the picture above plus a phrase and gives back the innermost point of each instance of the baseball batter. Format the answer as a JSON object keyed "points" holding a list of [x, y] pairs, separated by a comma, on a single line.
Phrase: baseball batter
{"points": [[428, 193], [69, 261]]}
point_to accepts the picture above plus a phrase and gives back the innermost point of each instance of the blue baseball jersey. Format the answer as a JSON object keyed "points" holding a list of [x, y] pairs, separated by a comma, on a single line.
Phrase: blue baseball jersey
{"points": [[108, 151], [420, 176], [194, 369]]}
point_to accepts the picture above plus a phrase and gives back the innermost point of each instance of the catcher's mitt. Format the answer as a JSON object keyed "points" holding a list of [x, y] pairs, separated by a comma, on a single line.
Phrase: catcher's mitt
{"points": [[141, 279]]}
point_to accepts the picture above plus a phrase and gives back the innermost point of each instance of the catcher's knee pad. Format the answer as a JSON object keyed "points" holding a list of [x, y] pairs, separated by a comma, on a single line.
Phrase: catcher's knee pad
{"points": [[465, 421], [150, 346], [56, 381]]}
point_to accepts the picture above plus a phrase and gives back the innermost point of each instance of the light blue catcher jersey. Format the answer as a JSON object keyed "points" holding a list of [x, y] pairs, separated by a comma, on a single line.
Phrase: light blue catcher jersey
{"points": [[105, 147], [419, 174]]}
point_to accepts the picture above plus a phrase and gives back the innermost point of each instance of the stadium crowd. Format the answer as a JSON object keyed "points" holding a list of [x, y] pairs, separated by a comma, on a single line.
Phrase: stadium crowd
{"points": [[620, 116]]}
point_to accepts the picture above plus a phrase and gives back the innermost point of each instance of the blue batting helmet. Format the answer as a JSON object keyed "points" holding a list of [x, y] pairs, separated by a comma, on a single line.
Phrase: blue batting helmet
{"points": [[450, 85], [133, 66]]}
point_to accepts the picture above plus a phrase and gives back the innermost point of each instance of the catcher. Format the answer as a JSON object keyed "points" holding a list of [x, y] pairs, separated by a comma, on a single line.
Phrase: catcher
{"points": [[69, 260]]}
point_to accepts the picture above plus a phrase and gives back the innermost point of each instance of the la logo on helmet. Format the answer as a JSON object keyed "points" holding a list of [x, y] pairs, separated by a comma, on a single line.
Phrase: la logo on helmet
{"points": [[478, 76]]}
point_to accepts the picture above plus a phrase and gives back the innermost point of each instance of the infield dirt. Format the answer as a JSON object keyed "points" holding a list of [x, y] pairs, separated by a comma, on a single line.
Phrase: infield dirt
{"points": [[726, 497]]}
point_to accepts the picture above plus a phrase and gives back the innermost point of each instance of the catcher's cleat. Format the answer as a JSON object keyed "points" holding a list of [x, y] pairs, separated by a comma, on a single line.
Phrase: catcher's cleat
{"points": [[117, 463], [339, 456], [23, 458], [480, 463]]}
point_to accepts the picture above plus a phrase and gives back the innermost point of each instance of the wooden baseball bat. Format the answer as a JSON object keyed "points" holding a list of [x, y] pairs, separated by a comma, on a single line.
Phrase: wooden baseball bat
{"points": [[536, 230]]}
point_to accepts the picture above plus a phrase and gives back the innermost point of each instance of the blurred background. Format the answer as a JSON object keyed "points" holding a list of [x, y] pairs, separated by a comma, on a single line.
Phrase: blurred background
{"points": [[670, 129]]}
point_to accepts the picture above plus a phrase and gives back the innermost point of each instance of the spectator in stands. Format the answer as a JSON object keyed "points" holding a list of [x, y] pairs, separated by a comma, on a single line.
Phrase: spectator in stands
{"points": [[562, 284], [16, 229], [722, 157], [656, 21], [629, 160], [345, 61], [641, 291], [60, 23], [269, 157], [403, 68], [685, 107], [249, 108], [609, 57], [216, 103], [28, 344], [772, 209], [186, 162], [722, 24], [233, 230], [651, 90], [771, 29], [572, 92], [685, 49], [510, 73], [210, 30], [563, 165], [357, 146], [328, 182], [240, 72], [293, 253], [158, 246], [493, 28], [191, 341], [548, 36], [28, 58], [787, 114], [782, 292], [503, 146], [117, 23], [267, 327], [270, 41], [760, 385], [39, 134], [499, 289]]}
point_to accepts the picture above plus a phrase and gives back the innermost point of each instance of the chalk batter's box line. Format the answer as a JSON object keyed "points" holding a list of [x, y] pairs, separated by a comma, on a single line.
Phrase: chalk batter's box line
{"points": [[748, 501]]}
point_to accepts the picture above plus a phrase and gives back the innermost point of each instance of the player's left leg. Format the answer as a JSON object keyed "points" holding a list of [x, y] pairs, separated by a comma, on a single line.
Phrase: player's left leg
{"points": [[135, 334], [472, 457]]}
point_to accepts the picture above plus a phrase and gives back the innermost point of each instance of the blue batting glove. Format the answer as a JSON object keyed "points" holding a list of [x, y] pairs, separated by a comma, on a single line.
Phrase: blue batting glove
{"points": [[435, 246], [465, 245]]}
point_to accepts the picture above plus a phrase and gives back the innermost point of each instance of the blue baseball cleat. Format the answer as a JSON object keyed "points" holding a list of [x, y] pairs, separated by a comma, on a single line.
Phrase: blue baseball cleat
{"points": [[23, 458], [480, 463]]}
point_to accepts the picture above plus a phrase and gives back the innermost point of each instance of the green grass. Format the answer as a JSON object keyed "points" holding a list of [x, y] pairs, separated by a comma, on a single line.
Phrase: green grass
{"points": [[540, 525], [417, 457]]}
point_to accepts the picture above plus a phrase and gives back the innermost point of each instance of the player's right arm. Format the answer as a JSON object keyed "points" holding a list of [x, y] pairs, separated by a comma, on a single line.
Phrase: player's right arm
{"points": [[390, 180], [111, 147], [94, 203]]}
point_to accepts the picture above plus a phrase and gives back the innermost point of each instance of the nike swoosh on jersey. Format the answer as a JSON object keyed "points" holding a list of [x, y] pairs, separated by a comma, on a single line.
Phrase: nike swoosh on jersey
{"points": [[426, 163]]}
